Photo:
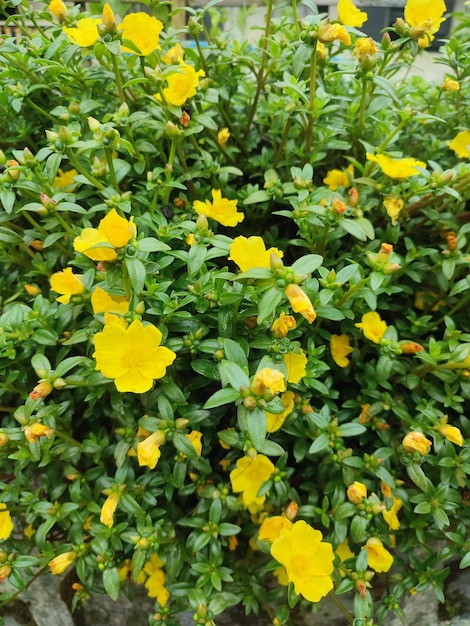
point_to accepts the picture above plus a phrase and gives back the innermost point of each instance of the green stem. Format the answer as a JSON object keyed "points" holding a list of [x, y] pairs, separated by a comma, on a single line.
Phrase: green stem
{"points": [[282, 143], [187, 171], [169, 170], [117, 74], [41, 110], [67, 438], [201, 55], [296, 16], [362, 107], [62, 222], [112, 171], [341, 607], [311, 102], [350, 291], [78, 166], [461, 303]]}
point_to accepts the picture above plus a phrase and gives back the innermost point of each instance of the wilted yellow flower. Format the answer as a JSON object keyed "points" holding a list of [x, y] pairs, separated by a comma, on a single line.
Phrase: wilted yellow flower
{"points": [[132, 356], [283, 324], [109, 508], [340, 347], [339, 178], [59, 563], [356, 492], [269, 380], [271, 527], [416, 441], [247, 478], [308, 560], [274, 421], [6, 525], [58, 9], [378, 558], [450, 84], [85, 34], [296, 363], [300, 302], [451, 433], [36, 430], [220, 209], [181, 84], [365, 46], [396, 168], [148, 450], [394, 206], [334, 32], [391, 515], [372, 326], [249, 252], [143, 30], [460, 144], [173, 54], [103, 302], [41, 390], [155, 582], [68, 284], [195, 438], [350, 15]]}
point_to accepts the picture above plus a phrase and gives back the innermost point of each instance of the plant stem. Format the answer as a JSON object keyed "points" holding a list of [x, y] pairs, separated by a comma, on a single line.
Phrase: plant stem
{"points": [[78, 166], [169, 171], [341, 607], [296, 16], [117, 74], [201, 55], [311, 102], [67, 438], [187, 171], [112, 171], [350, 291]]}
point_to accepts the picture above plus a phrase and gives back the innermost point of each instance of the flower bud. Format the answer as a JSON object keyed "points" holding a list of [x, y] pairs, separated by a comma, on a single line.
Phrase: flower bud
{"points": [[415, 441], [109, 19], [41, 390], [411, 347]]}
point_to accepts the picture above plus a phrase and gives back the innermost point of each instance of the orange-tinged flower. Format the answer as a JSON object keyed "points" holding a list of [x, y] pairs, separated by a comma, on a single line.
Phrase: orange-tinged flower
{"points": [[372, 326], [247, 478], [274, 421], [144, 32], [61, 562], [356, 492], [58, 9], [132, 356], [6, 525], [220, 209], [334, 32], [451, 433], [173, 54], [103, 302], [283, 324], [460, 144], [340, 348], [416, 441], [68, 284], [339, 178], [195, 438], [272, 526], [300, 302], [296, 363], [36, 430], [378, 558], [350, 15], [268, 379], [41, 390], [249, 252], [32, 290], [109, 508], [391, 515], [148, 450], [85, 34], [308, 560], [181, 84], [396, 168], [394, 206]]}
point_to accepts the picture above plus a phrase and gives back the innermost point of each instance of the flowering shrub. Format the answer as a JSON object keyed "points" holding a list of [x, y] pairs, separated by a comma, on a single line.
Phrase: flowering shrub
{"points": [[234, 332]]}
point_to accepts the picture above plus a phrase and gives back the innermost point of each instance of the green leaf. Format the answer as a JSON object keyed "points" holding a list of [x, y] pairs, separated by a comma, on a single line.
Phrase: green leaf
{"points": [[261, 273], [417, 475], [423, 508], [352, 429], [111, 582], [271, 448], [7, 198], [196, 257], [150, 244], [232, 374], [257, 427], [137, 274], [353, 228], [183, 444], [9, 236], [257, 196], [465, 562], [358, 529], [234, 352], [320, 443], [268, 304], [307, 264], [223, 396]]}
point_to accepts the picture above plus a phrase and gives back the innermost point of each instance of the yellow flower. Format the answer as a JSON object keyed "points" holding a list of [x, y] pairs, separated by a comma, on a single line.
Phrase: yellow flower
{"points": [[220, 209], [109, 19], [350, 15], [391, 515], [223, 136], [460, 144], [41, 390], [372, 326], [6, 525], [251, 252], [450, 84], [396, 168], [103, 302], [451, 433], [296, 364], [143, 30], [181, 84], [268, 379], [364, 46], [172, 55], [344, 551], [339, 178], [272, 526], [148, 450], [85, 34], [308, 560], [425, 15], [356, 492], [334, 32], [247, 478], [155, 582], [109, 508], [195, 438], [300, 302], [340, 348], [93, 244], [65, 180], [68, 284], [378, 558], [59, 563], [58, 9], [283, 324], [321, 50], [117, 230], [36, 430], [394, 206], [416, 441], [274, 421], [132, 356]]}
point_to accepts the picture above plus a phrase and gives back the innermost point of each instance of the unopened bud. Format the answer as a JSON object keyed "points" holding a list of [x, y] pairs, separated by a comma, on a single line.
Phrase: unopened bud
{"points": [[41, 390]]}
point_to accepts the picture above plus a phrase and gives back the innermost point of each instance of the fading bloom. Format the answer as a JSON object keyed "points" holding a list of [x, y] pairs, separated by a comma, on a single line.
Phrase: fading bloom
{"points": [[378, 558], [247, 478], [300, 302], [6, 525], [391, 515], [85, 34], [416, 441], [334, 32], [195, 438], [68, 284], [144, 32], [249, 252], [220, 209], [350, 15], [394, 206], [58, 9], [308, 560], [41, 390], [61, 562], [396, 168], [181, 84], [460, 144], [450, 84], [36, 430], [173, 54], [272, 526], [132, 356], [283, 324], [103, 302], [356, 492], [268, 379], [148, 450], [451, 433], [296, 364], [274, 421], [340, 347], [372, 326], [339, 178], [365, 46], [109, 508]]}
